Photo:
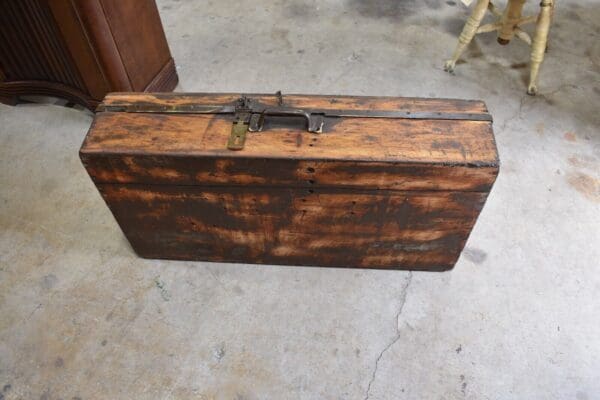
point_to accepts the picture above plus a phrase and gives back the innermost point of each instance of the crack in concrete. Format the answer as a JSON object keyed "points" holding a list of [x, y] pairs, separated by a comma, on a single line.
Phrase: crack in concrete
{"points": [[518, 114], [396, 337]]}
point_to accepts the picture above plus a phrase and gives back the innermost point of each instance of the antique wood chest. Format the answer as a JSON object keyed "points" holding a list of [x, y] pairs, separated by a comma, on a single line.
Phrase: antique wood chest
{"points": [[339, 181]]}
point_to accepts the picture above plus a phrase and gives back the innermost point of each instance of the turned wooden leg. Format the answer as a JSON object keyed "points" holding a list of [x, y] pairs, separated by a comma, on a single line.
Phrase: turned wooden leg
{"points": [[469, 30], [510, 18], [538, 46]]}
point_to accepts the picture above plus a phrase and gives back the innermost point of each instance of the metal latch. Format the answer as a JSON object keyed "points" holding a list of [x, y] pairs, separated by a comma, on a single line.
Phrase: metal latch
{"points": [[250, 116], [238, 132]]}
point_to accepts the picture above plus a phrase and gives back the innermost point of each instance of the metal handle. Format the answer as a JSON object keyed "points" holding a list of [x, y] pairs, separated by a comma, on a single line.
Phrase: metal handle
{"points": [[255, 121], [314, 122]]}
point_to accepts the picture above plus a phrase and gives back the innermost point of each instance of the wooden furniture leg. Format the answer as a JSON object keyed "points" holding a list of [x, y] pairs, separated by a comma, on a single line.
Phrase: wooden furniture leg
{"points": [[510, 19], [469, 30], [538, 46]]}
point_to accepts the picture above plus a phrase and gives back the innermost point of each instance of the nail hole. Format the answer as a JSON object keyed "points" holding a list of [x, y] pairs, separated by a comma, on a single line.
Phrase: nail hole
{"points": [[310, 191], [310, 169], [312, 182]]}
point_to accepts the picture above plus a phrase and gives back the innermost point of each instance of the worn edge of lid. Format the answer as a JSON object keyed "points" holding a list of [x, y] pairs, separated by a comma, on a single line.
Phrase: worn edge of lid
{"points": [[109, 97], [493, 163]]}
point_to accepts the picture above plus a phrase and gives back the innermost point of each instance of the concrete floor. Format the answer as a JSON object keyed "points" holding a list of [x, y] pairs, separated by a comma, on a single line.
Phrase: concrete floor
{"points": [[81, 317]]}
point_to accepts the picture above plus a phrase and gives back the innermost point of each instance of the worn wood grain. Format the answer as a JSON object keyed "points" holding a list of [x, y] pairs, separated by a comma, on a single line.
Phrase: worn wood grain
{"points": [[370, 193], [314, 101], [327, 227], [430, 141], [265, 172]]}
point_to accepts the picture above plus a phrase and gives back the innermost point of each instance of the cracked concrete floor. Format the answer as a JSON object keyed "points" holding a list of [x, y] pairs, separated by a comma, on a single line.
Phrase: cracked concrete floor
{"points": [[518, 318]]}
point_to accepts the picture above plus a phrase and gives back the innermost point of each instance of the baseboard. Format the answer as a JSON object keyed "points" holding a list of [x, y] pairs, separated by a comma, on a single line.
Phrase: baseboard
{"points": [[165, 80]]}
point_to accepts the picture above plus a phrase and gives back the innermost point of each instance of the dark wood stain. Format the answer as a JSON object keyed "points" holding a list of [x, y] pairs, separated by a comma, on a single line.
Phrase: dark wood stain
{"points": [[324, 227], [356, 196]]}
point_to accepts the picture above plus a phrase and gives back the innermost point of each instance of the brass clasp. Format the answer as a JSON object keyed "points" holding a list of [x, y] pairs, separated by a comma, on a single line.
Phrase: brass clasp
{"points": [[238, 132]]}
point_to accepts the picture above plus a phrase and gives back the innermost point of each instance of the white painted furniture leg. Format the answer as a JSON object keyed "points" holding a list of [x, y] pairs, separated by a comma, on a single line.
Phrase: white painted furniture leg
{"points": [[469, 30], [538, 46]]}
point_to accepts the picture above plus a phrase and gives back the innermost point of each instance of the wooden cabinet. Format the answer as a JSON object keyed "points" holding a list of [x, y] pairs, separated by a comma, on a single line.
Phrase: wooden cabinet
{"points": [[82, 49]]}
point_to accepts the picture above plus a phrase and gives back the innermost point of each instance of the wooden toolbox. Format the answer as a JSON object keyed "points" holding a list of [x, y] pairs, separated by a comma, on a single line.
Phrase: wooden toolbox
{"points": [[337, 181]]}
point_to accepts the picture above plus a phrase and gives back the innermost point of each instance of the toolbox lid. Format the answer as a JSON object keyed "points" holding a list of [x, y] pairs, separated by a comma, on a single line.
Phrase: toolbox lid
{"points": [[410, 144]]}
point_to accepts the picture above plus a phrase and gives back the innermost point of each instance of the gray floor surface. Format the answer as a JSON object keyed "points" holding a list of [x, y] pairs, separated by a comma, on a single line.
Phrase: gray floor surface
{"points": [[81, 317]]}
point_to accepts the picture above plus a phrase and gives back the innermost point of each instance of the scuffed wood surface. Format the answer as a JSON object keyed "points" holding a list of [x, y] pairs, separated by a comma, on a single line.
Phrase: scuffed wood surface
{"points": [[312, 101], [140, 168], [371, 193], [370, 139], [403, 230]]}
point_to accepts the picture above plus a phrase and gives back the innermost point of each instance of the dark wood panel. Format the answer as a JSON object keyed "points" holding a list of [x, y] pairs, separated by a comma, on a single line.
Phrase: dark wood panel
{"points": [[101, 42], [77, 41], [265, 172], [326, 227], [31, 47], [73, 49], [142, 58]]}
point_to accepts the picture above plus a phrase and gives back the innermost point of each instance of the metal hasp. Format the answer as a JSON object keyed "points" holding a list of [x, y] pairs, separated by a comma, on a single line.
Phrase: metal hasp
{"points": [[238, 133], [240, 125], [250, 115]]}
